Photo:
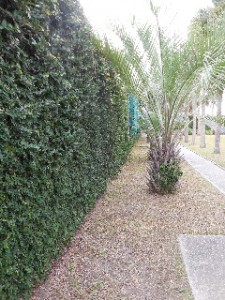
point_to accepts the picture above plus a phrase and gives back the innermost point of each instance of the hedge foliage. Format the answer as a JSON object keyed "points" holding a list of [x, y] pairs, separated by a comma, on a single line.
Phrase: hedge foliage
{"points": [[63, 120]]}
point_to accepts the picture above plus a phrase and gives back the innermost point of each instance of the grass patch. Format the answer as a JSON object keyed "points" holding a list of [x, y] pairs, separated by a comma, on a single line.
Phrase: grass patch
{"points": [[218, 159]]}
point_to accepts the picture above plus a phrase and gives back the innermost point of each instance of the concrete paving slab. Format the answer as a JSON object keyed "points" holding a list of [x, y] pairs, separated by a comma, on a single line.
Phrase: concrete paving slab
{"points": [[206, 168], [204, 258]]}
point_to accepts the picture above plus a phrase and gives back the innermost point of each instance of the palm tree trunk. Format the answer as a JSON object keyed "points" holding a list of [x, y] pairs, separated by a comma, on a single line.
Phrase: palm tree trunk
{"points": [[202, 127], [164, 164], [218, 128], [186, 127], [212, 114], [194, 122], [199, 123]]}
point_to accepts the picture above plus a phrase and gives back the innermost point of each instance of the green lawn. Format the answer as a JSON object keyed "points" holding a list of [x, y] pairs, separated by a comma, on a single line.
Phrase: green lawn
{"points": [[207, 152]]}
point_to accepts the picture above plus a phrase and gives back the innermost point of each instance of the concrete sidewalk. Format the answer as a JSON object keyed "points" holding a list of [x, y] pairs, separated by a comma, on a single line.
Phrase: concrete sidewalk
{"points": [[204, 256], [207, 169], [204, 259]]}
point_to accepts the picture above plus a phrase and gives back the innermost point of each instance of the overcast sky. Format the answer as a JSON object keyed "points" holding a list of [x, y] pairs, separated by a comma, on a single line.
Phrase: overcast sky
{"points": [[103, 12]]}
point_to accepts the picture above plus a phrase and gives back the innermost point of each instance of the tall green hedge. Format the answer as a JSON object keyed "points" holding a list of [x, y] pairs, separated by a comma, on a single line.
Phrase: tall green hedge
{"points": [[63, 133]]}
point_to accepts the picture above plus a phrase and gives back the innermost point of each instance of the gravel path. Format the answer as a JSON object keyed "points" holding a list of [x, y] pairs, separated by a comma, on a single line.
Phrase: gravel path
{"points": [[128, 248]]}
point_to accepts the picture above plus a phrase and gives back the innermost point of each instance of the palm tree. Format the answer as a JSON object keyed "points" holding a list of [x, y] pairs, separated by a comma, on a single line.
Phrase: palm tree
{"points": [[202, 126], [194, 121], [208, 25], [218, 127], [164, 72], [186, 128]]}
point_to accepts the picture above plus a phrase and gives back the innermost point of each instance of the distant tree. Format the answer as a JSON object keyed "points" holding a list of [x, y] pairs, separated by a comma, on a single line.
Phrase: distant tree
{"points": [[194, 123], [199, 22], [186, 128], [218, 2], [218, 126], [209, 23], [202, 127]]}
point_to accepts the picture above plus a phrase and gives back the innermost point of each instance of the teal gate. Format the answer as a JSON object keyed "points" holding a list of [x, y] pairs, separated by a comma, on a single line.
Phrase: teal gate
{"points": [[133, 115]]}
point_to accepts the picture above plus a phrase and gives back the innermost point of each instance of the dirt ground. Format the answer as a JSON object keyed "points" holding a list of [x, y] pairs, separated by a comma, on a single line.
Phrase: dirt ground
{"points": [[127, 247]]}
